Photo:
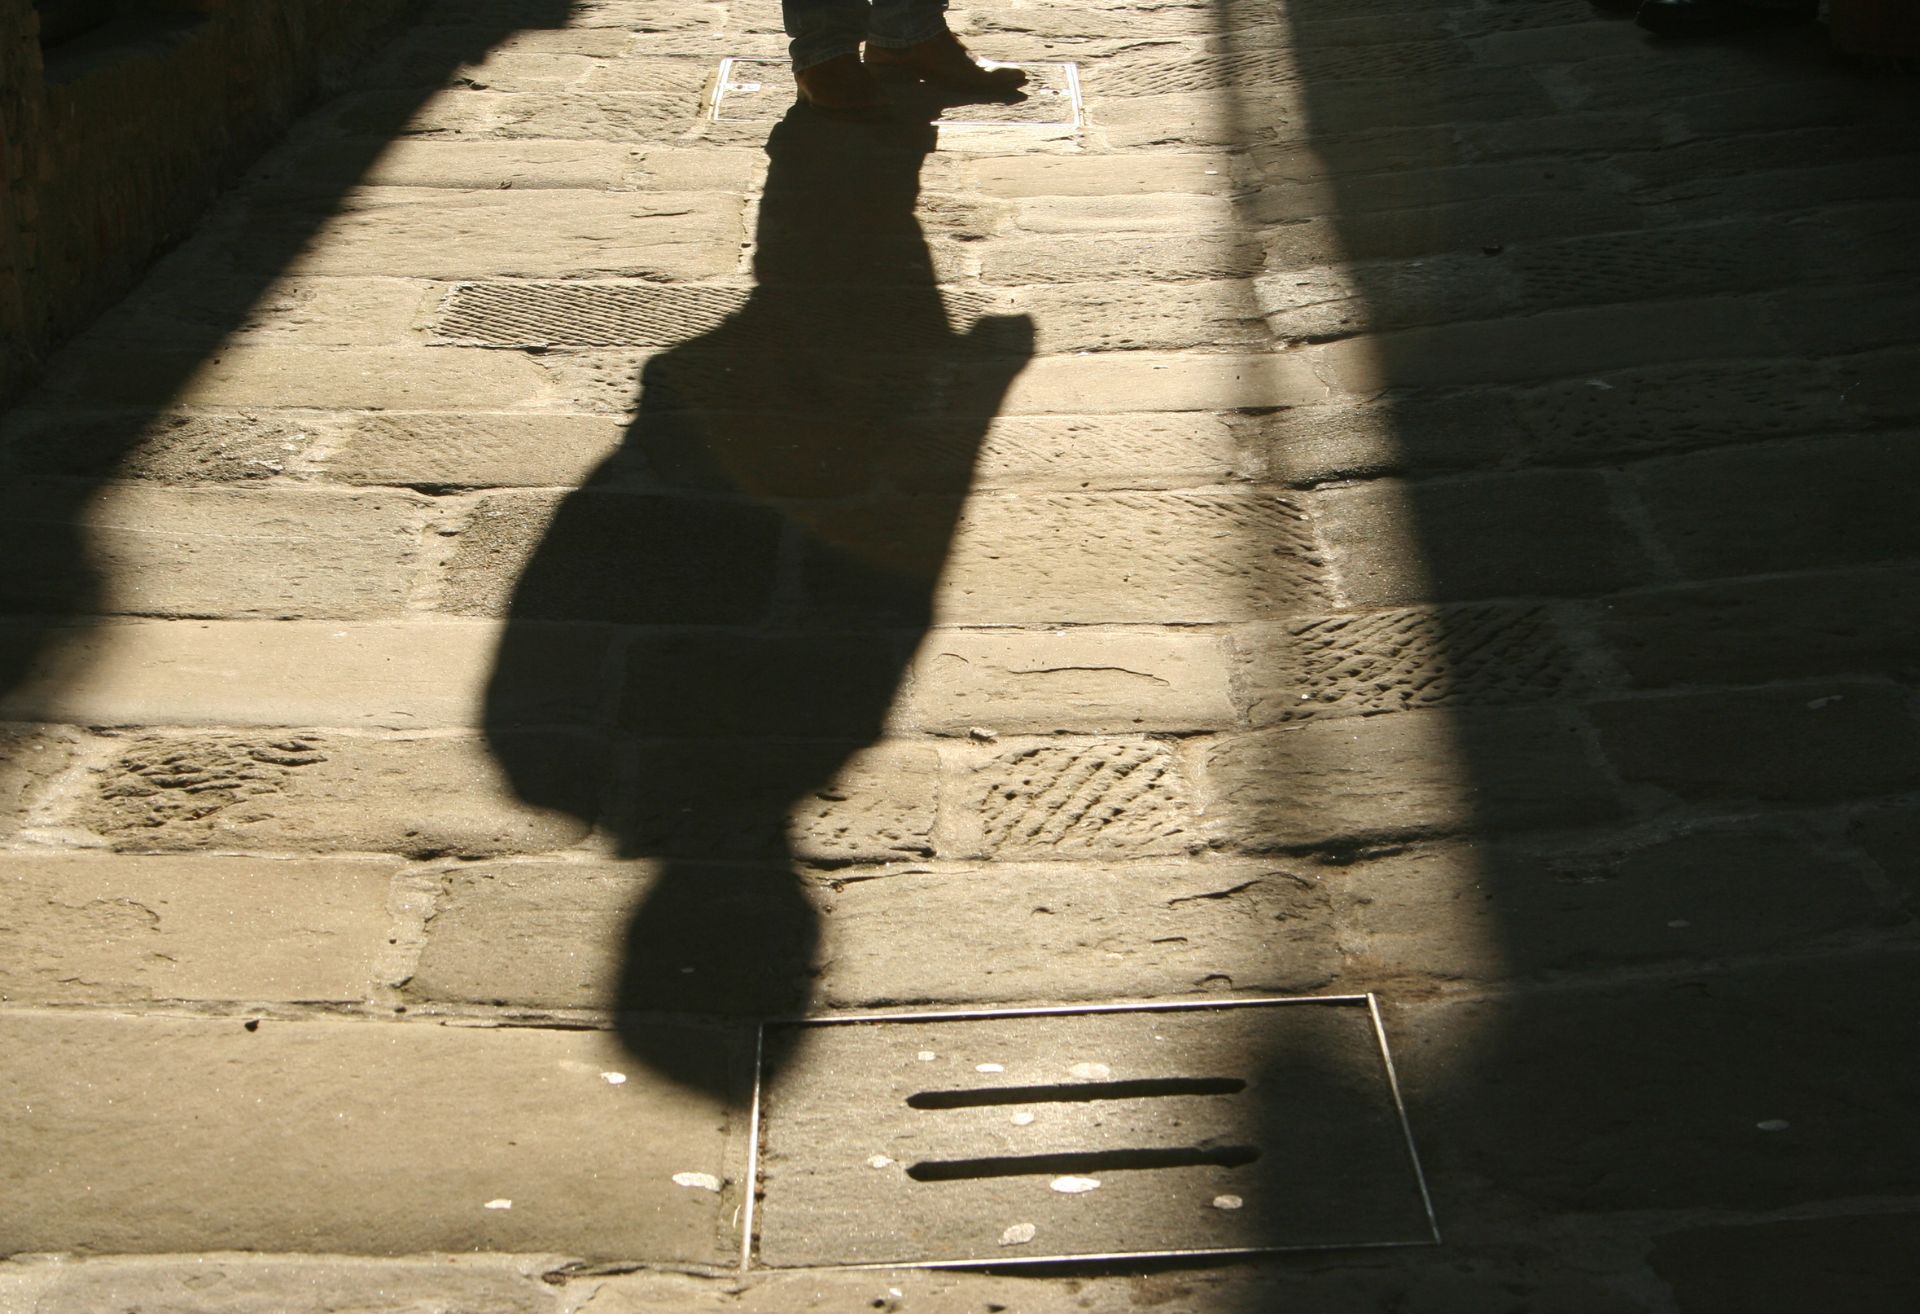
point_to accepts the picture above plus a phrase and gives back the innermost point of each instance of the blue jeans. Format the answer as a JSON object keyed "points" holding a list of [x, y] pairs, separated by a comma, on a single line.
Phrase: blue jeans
{"points": [[824, 29]]}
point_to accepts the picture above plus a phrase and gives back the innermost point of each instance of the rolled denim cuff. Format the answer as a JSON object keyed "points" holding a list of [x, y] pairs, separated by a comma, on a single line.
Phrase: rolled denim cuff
{"points": [[823, 29], [897, 24]]}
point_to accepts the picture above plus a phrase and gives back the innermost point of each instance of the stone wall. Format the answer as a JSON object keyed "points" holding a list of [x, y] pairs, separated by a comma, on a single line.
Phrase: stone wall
{"points": [[111, 144]]}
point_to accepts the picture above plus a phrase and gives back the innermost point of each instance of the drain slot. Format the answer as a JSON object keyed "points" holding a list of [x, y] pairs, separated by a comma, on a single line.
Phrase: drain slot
{"points": [[1077, 1093], [1097, 1161]]}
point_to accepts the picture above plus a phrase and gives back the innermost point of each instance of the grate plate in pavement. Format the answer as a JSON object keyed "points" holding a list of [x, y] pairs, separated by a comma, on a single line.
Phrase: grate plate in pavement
{"points": [[582, 313], [761, 91], [1112, 1132]]}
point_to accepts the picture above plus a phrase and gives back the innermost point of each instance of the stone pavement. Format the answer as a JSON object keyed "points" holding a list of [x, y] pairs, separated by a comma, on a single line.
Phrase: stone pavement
{"points": [[1415, 496]]}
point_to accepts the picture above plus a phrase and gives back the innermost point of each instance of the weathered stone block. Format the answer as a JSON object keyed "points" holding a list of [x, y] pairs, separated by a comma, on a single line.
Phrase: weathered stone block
{"points": [[1066, 680], [1754, 510], [1392, 435], [88, 927], [1795, 743], [1096, 557], [1363, 779], [1672, 408], [1074, 798], [608, 556], [209, 551], [505, 1139], [1542, 533], [437, 450], [1553, 345], [823, 801], [288, 1284], [1390, 661], [1863, 1261], [280, 791], [31, 758], [397, 675], [1493, 912], [1863, 622], [1744, 1090]]}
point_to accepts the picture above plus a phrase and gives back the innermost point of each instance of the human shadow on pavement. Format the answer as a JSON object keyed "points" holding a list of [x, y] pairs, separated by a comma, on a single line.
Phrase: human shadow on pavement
{"points": [[769, 536]]}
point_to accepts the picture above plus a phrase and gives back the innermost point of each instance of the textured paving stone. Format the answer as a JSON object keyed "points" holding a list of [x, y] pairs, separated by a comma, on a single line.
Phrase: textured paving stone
{"points": [[1864, 1260], [432, 233], [322, 377], [1119, 557], [1361, 780], [1674, 408], [1087, 798], [1494, 912], [171, 447], [210, 551], [1071, 680], [1786, 507], [1312, 444], [707, 798], [438, 450], [1544, 533], [283, 791], [269, 1137], [397, 675], [88, 927], [31, 758], [606, 556], [1890, 837], [1498, 1088], [237, 1284], [1389, 661], [546, 935], [1552, 345], [1863, 622], [1812, 742]]}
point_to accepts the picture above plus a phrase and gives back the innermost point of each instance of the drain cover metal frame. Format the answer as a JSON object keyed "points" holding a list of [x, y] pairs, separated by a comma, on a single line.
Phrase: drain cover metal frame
{"points": [[752, 1221], [1047, 73]]}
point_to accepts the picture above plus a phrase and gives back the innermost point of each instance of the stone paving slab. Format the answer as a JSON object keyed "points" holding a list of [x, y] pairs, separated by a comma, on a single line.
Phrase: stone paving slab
{"points": [[361, 1137], [91, 927]]}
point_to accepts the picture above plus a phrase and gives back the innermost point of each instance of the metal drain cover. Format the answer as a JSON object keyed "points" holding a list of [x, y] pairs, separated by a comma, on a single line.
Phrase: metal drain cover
{"points": [[968, 1139], [761, 91]]}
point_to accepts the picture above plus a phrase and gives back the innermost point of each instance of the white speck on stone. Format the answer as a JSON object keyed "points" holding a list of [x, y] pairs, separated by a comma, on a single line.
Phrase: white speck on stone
{"points": [[1602, 384], [498, 1204], [1227, 1202], [988, 1067], [699, 1181], [614, 1078], [1074, 1185], [926, 1056], [1090, 1071], [1773, 1124], [1819, 703], [1679, 924], [1019, 1234], [1022, 1118], [879, 1161]]}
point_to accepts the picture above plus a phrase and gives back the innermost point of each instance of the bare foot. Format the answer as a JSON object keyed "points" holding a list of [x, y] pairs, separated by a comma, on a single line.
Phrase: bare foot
{"points": [[945, 62]]}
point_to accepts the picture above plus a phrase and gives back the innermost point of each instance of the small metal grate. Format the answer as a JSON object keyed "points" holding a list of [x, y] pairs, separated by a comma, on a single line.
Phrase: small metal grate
{"points": [[583, 314], [637, 314], [1034, 1136], [761, 91]]}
